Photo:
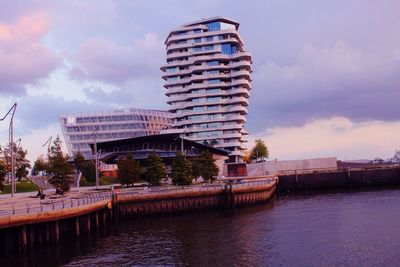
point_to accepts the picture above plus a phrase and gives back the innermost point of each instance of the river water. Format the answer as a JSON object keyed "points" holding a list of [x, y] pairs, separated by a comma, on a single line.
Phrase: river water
{"points": [[330, 229]]}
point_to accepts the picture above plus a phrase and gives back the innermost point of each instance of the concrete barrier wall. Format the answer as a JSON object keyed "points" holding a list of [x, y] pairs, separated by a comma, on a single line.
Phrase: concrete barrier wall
{"points": [[339, 179], [274, 167]]}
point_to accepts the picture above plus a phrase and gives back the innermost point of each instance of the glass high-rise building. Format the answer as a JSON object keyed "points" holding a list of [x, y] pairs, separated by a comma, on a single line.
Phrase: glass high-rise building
{"points": [[208, 75], [81, 129]]}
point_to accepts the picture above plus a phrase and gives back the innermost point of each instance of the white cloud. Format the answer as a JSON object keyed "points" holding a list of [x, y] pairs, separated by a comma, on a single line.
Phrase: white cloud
{"points": [[34, 141], [336, 136]]}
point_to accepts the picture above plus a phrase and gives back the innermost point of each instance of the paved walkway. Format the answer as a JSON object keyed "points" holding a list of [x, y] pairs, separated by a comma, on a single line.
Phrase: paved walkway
{"points": [[23, 203]]}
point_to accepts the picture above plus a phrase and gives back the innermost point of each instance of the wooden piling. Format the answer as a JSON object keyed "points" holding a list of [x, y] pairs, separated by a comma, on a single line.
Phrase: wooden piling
{"points": [[56, 231], [76, 224], [24, 241]]}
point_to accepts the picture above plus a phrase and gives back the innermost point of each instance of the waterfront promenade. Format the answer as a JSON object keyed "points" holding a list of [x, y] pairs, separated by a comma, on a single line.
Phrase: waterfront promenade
{"points": [[27, 203]]}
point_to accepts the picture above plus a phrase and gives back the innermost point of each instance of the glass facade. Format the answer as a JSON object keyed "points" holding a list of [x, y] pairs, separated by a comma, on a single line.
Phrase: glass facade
{"points": [[80, 130], [228, 49], [214, 26]]}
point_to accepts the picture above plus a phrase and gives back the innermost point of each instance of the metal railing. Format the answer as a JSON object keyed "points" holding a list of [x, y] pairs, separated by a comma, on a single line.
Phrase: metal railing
{"points": [[49, 204], [52, 204], [203, 188]]}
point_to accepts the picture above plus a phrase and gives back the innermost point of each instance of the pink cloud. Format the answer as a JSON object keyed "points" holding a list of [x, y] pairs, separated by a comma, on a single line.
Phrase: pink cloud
{"points": [[23, 58], [333, 137]]}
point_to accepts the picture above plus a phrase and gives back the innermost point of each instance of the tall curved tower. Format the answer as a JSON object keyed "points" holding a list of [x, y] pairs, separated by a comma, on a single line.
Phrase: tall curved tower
{"points": [[208, 82]]}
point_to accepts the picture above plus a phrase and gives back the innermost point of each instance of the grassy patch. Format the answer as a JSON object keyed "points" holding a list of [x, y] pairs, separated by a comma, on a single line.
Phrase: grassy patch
{"points": [[26, 186], [107, 180], [104, 180]]}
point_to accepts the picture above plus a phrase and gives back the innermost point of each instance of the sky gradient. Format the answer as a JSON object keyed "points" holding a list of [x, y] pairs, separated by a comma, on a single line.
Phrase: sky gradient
{"points": [[325, 75]]}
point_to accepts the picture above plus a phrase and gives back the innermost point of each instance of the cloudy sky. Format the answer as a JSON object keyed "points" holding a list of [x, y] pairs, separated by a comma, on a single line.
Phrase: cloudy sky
{"points": [[325, 83]]}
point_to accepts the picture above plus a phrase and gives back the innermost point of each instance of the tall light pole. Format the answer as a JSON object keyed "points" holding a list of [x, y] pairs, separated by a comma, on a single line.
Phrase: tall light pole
{"points": [[11, 144], [15, 159], [48, 143], [96, 155]]}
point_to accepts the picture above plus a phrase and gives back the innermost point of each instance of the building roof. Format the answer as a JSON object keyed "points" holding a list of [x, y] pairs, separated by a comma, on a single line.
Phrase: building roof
{"points": [[212, 19], [202, 21], [159, 138]]}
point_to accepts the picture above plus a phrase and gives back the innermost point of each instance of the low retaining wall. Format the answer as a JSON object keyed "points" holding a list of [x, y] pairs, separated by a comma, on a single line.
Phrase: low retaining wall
{"points": [[131, 206], [339, 179], [22, 231]]}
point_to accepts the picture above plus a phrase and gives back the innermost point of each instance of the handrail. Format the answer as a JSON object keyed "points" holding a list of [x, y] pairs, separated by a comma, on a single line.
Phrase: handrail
{"points": [[52, 204], [12, 208]]}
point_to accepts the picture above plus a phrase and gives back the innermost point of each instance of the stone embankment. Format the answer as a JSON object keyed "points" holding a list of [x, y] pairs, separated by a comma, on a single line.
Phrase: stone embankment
{"points": [[27, 222]]}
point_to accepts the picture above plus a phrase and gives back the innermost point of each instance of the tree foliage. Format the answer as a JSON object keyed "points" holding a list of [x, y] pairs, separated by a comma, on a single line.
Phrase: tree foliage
{"points": [[205, 166], [155, 170], [39, 165], [21, 163], [196, 167], [3, 172], [129, 170], [79, 161], [59, 169], [181, 170], [208, 167], [87, 167], [247, 156], [260, 150]]}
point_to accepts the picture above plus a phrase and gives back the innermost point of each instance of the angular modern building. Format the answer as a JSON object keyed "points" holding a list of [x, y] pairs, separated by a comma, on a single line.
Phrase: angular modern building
{"points": [[82, 129], [208, 76]]}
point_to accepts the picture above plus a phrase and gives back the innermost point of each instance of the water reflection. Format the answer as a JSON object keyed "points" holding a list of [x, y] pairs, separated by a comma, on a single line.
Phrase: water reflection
{"points": [[332, 229]]}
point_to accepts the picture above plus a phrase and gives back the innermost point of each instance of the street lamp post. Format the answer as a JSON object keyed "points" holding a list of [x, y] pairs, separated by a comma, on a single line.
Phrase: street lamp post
{"points": [[48, 143], [11, 144], [96, 155]]}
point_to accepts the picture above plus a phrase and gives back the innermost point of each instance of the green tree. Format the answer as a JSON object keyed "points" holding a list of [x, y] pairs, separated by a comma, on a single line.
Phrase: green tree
{"points": [[22, 164], [260, 150], [3, 172], [181, 170], [129, 170], [59, 170], [79, 161], [155, 170], [196, 167], [87, 167], [39, 165], [208, 167]]}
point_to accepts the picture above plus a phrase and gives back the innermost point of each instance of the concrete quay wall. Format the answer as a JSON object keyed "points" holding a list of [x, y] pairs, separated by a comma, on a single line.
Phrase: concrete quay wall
{"points": [[229, 197], [349, 178], [20, 232], [23, 231]]}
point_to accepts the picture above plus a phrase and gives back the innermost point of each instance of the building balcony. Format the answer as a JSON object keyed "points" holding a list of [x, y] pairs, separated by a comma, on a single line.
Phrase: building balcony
{"points": [[203, 85], [224, 118], [178, 38], [234, 100], [204, 67], [237, 108], [189, 96], [190, 43], [245, 56]]}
